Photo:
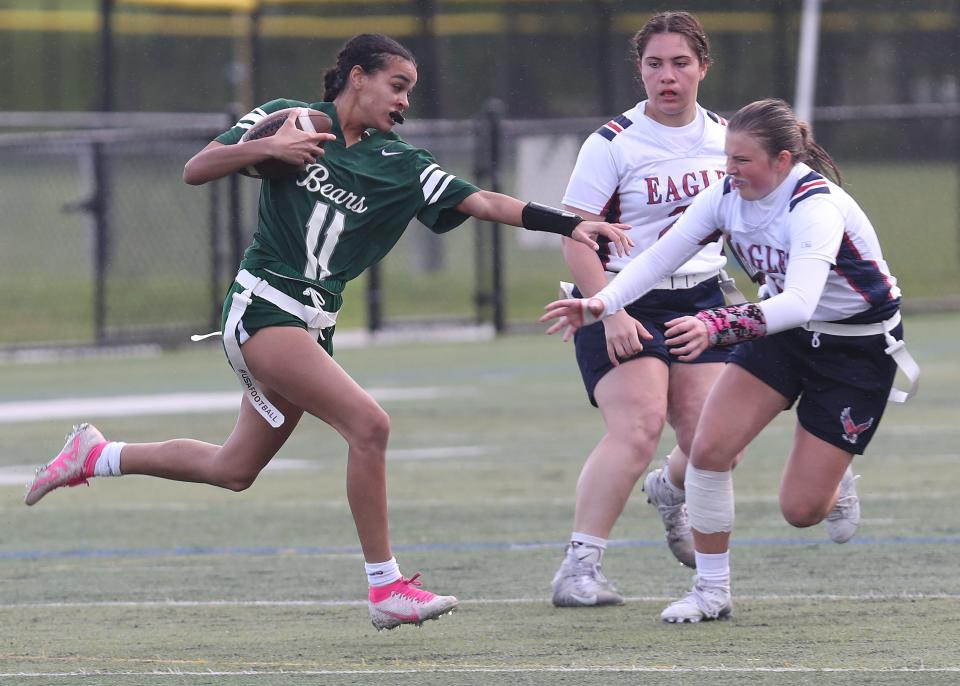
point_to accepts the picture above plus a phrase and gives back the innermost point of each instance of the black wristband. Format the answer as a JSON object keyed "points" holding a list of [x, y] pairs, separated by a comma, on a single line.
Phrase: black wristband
{"points": [[537, 217]]}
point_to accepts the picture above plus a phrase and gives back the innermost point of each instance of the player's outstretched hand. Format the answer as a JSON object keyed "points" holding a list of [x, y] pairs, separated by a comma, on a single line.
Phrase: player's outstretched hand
{"points": [[587, 233], [687, 338], [572, 314], [295, 146]]}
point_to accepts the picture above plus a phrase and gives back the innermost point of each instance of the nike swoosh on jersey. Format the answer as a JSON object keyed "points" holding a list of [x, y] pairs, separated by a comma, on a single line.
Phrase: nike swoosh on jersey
{"points": [[390, 154]]}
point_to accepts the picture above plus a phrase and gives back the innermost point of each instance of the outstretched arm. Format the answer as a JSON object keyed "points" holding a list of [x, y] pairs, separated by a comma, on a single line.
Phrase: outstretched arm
{"points": [[572, 314], [633, 281], [505, 209], [695, 228]]}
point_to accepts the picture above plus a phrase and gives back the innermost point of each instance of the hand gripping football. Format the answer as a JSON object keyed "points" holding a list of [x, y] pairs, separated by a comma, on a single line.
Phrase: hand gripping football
{"points": [[313, 121]]}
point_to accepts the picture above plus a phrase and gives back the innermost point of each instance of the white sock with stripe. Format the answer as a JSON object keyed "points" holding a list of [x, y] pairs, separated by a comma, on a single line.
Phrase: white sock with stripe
{"points": [[108, 464], [382, 573], [587, 548]]}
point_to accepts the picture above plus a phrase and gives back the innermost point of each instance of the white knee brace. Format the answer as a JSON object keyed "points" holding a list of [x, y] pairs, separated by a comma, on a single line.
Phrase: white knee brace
{"points": [[709, 500]]}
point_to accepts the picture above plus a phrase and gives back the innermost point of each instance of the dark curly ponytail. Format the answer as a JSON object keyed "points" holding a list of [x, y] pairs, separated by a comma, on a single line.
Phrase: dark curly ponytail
{"points": [[369, 51]]}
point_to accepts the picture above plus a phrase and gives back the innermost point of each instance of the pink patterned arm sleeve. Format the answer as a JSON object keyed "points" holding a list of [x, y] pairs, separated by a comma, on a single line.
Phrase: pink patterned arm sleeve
{"points": [[729, 325]]}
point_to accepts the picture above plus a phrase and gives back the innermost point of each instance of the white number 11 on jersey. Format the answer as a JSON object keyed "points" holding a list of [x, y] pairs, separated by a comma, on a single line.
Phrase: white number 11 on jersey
{"points": [[318, 263]]}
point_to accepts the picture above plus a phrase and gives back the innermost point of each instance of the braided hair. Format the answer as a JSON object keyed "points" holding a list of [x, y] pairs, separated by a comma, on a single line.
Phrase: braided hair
{"points": [[369, 51]]}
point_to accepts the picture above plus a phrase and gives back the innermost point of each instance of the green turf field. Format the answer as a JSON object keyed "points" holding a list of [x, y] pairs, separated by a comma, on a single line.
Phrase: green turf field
{"points": [[138, 581]]}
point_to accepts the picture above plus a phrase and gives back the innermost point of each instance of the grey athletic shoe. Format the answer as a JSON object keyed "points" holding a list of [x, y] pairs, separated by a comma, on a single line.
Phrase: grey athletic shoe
{"points": [[581, 583], [673, 512], [844, 518], [702, 603]]}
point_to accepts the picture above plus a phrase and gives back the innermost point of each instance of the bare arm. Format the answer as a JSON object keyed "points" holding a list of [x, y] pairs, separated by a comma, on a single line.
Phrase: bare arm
{"points": [[218, 160], [494, 207], [505, 209], [586, 269], [289, 144]]}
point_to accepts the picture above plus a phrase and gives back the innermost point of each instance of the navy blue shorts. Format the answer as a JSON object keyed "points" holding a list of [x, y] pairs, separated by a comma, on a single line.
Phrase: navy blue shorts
{"points": [[842, 384], [652, 310]]}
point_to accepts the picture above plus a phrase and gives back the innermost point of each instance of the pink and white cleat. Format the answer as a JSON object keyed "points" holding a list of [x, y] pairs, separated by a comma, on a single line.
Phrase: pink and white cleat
{"points": [[403, 603], [72, 467]]}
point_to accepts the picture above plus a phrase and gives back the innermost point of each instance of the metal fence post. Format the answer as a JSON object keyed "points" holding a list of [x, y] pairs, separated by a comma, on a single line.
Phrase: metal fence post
{"points": [[96, 205], [487, 171], [374, 298], [99, 207], [234, 212], [105, 100], [216, 257], [603, 45], [495, 112]]}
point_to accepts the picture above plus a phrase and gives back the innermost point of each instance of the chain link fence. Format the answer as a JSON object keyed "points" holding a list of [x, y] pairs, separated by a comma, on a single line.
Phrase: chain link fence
{"points": [[102, 242]]}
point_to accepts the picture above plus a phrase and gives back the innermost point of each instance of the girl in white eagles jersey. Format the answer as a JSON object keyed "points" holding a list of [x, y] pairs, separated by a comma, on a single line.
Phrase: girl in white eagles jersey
{"points": [[828, 337], [643, 167]]}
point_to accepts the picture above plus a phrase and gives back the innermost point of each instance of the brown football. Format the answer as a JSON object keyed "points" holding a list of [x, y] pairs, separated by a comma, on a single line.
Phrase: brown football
{"points": [[310, 120]]}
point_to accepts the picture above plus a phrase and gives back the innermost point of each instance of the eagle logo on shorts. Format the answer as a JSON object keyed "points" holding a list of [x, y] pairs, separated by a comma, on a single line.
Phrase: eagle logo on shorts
{"points": [[852, 430]]}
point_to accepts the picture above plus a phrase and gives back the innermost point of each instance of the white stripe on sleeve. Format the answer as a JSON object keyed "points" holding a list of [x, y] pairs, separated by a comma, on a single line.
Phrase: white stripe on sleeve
{"points": [[443, 187], [427, 171], [432, 182], [250, 119]]}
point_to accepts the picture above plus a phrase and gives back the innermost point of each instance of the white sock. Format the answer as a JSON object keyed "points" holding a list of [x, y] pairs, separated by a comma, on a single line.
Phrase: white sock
{"points": [[108, 464], [713, 568], [588, 548], [382, 573]]}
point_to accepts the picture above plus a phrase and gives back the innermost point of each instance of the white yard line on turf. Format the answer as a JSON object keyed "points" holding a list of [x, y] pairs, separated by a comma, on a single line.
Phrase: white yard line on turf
{"points": [[475, 601], [720, 669], [177, 403], [18, 475]]}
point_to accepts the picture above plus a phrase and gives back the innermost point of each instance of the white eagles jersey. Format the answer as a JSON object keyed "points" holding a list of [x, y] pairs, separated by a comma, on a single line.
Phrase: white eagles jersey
{"points": [[806, 216], [809, 216], [636, 171]]}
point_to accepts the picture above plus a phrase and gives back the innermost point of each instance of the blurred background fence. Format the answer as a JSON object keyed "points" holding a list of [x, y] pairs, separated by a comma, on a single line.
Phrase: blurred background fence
{"points": [[101, 103]]}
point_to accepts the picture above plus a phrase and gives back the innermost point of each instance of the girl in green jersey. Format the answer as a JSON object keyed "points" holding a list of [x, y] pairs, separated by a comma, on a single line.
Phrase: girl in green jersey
{"points": [[358, 188]]}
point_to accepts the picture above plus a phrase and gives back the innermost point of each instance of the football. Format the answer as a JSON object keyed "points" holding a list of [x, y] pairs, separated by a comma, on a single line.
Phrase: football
{"points": [[310, 120]]}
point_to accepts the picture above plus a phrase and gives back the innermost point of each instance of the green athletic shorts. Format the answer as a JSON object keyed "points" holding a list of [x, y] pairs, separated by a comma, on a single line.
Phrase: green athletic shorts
{"points": [[261, 313]]}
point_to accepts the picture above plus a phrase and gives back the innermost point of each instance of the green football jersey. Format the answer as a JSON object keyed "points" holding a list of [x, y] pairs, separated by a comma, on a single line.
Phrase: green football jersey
{"points": [[346, 211]]}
